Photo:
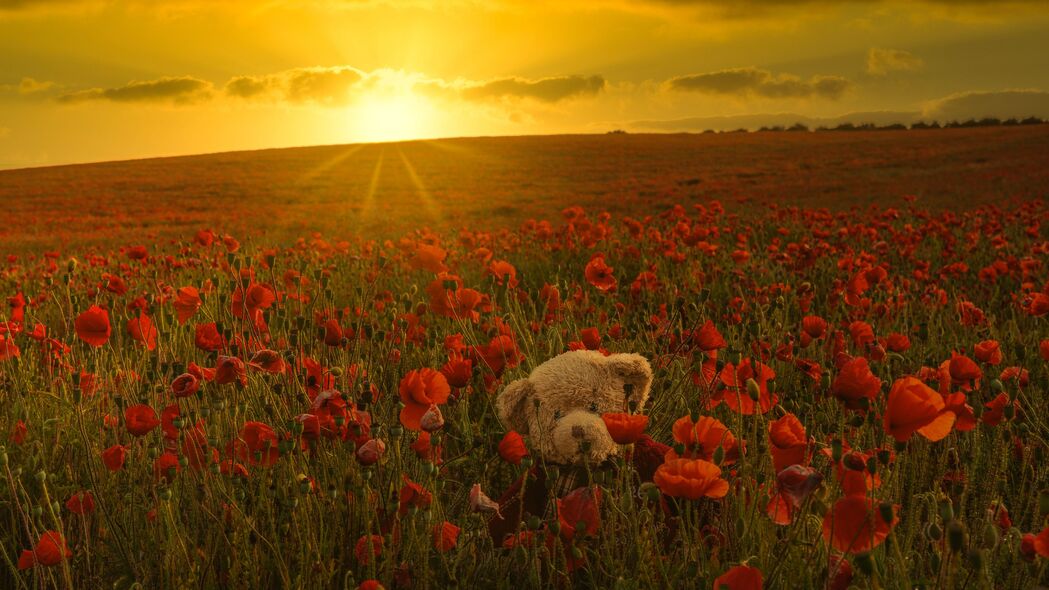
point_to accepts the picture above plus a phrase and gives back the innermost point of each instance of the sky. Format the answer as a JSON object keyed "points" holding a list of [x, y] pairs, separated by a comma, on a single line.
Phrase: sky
{"points": [[95, 80]]}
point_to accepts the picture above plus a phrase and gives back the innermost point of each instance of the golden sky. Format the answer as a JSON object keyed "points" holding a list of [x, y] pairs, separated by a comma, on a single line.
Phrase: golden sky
{"points": [[89, 80]]}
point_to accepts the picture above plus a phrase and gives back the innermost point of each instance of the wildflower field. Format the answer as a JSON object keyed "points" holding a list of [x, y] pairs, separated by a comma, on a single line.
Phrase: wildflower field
{"points": [[845, 394]]}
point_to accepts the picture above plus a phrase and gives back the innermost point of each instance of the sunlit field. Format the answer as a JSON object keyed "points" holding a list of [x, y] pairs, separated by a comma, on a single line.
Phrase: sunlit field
{"points": [[279, 368]]}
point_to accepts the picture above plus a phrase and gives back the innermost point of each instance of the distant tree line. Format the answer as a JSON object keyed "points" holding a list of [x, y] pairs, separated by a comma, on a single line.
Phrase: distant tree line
{"points": [[985, 122]]}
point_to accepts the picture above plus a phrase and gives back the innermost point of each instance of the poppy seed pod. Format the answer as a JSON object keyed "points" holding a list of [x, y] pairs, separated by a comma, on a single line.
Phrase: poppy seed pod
{"points": [[956, 535]]}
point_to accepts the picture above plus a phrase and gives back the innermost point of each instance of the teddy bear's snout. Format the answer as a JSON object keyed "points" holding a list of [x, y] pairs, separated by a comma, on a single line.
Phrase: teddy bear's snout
{"points": [[580, 436]]}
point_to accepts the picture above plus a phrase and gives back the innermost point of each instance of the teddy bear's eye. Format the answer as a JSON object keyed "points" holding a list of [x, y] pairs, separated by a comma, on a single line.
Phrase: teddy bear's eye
{"points": [[593, 407]]}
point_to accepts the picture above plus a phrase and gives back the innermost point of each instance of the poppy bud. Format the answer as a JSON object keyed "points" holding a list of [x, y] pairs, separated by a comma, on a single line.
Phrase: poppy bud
{"points": [[432, 420], [933, 532], [946, 509], [719, 455], [934, 561], [38, 511], [649, 491], [825, 381], [856, 421], [41, 476], [164, 494], [1043, 502], [996, 386], [955, 535], [887, 511], [865, 563], [534, 523], [884, 456], [753, 389], [552, 472], [577, 553], [1009, 411], [835, 450], [991, 535], [977, 559], [526, 461]]}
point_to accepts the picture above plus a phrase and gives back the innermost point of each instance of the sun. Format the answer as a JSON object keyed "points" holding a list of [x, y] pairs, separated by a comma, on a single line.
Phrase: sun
{"points": [[391, 116]]}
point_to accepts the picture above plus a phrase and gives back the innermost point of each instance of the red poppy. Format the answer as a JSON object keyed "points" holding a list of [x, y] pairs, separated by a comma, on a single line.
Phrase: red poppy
{"points": [[230, 369], [268, 360], [113, 457], [458, 371], [185, 385], [259, 444], [897, 343], [143, 330], [963, 369], [708, 338], [512, 448], [915, 407], [18, 433], [855, 385], [988, 352], [371, 451], [600, 275], [332, 333], [690, 478], [1043, 349], [187, 302], [420, 389], [429, 258], [445, 536], [855, 524], [737, 393], [1041, 543], [166, 467], [368, 547], [740, 577], [412, 495], [92, 326], [702, 438], [581, 506], [995, 412], [50, 550], [794, 485], [207, 337], [625, 429], [788, 442], [81, 503], [140, 419]]}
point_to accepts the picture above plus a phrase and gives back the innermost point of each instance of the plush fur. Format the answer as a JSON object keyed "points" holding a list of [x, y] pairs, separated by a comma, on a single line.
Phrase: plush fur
{"points": [[559, 405]]}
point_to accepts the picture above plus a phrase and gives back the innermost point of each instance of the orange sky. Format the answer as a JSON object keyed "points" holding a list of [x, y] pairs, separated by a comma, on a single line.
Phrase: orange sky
{"points": [[88, 80]]}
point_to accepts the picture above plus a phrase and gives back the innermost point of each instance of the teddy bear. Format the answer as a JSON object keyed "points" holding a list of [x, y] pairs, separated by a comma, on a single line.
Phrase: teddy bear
{"points": [[558, 407]]}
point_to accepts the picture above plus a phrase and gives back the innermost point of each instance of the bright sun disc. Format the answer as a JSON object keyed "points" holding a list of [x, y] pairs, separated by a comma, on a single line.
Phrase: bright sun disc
{"points": [[391, 117]]}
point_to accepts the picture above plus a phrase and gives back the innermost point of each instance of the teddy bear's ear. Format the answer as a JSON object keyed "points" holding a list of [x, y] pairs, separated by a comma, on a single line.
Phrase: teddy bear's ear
{"points": [[513, 404], [634, 370]]}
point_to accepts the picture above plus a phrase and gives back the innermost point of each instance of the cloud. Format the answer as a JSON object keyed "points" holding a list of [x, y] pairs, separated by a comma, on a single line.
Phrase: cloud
{"points": [[544, 89], [301, 85], [178, 90], [31, 86], [1001, 104], [883, 61], [757, 82]]}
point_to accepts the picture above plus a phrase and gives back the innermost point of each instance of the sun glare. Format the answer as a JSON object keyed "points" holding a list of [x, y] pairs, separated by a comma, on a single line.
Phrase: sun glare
{"points": [[391, 117]]}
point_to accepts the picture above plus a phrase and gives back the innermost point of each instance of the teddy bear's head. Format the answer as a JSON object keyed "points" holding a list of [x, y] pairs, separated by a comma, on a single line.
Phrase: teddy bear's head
{"points": [[559, 405]]}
